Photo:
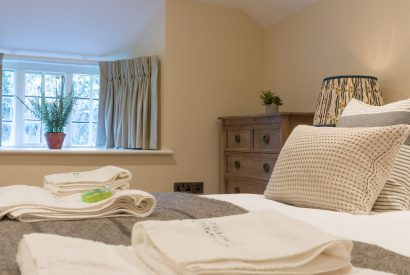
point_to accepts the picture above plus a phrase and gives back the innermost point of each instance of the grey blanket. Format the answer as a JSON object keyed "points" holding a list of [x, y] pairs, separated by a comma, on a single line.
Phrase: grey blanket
{"points": [[169, 206], [377, 258]]}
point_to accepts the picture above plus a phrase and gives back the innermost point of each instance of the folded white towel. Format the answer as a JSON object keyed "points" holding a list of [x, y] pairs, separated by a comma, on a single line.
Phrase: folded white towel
{"points": [[46, 254], [68, 183], [30, 203], [41, 254], [263, 242]]}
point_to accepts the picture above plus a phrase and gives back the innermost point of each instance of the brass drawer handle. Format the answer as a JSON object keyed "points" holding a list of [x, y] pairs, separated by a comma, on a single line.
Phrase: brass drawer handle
{"points": [[237, 189], [237, 139], [265, 139], [266, 167], [237, 164]]}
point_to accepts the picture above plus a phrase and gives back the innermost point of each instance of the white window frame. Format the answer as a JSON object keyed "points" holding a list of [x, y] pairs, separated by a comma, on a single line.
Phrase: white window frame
{"points": [[20, 67]]}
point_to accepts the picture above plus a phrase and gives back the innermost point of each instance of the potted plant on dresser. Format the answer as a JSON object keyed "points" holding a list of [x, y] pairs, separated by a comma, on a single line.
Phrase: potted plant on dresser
{"points": [[271, 101], [54, 113]]}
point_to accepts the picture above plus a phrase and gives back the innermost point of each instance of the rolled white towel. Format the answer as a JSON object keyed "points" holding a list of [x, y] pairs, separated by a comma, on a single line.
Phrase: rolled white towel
{"points": [[30, 204], [69, 183], [262, 242]]}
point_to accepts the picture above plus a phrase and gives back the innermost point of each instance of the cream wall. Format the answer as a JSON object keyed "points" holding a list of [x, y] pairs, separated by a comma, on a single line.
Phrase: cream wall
{"points": [[152, 39], [333, 37], [212, 65]]}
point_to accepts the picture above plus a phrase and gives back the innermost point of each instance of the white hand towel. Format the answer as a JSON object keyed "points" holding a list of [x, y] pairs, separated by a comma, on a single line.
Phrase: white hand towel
{"points": [[45, 254], [263, 242], [74, 182], [30, 203]]}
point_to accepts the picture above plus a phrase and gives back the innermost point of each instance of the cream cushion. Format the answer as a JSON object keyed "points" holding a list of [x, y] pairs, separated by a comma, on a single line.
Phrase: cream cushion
{"points": [[340, 169]]}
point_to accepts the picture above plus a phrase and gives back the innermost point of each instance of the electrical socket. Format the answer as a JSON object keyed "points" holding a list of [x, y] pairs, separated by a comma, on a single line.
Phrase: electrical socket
{"points": [[189, 187]]}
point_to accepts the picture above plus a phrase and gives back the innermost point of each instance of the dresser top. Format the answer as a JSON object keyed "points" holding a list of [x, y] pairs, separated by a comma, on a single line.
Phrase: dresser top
{"points": [[268, 115]]}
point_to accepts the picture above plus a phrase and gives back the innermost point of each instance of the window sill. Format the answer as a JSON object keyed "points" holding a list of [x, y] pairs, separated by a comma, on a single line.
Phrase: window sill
{"points": [[81, 151]]}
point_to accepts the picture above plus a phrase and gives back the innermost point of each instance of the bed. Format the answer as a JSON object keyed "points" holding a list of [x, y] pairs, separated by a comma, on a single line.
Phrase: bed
{"points": [[381, 241], [350, 171]]}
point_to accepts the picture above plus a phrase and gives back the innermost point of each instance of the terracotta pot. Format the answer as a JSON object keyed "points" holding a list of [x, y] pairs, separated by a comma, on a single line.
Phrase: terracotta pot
{"points": [[54, 140]]}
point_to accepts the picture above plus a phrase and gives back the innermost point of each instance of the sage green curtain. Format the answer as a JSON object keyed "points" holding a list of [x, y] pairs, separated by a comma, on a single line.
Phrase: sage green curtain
{"points": [[1, 93], [128, 104]]}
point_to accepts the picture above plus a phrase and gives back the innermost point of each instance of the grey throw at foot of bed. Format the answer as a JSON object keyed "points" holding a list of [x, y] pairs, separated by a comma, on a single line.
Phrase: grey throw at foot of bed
{"points": [[169, 206]]}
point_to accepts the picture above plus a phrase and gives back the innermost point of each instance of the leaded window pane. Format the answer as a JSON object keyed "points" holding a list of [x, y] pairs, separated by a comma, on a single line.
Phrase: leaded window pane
{"points": [[32, 132], [81, 85], [80, 134], [6, 137], [8, 82], [33, 84], [7, 108]]}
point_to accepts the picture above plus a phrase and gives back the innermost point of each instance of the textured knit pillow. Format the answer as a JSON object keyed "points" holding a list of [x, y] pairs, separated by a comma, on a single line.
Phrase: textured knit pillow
{"points": [[396, 193], [340, 169]]}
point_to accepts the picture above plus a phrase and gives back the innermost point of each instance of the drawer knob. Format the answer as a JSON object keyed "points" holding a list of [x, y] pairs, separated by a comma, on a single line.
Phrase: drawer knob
{"points": [[237, 189], [237, 139], [266, 167], [265, 139], [237, 164]]}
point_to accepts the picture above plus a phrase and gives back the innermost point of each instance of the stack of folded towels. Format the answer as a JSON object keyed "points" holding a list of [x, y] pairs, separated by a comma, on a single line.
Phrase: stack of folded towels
{"points": [[60, 199], [260, 242]]}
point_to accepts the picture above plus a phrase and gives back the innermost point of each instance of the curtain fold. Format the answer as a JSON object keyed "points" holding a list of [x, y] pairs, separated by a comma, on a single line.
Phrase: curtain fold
{"points": [[128, 104], [1, 96]]}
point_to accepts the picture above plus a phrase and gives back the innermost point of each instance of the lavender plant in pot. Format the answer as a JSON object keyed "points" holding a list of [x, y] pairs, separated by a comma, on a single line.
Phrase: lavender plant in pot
{"points": [[271, 101], [54, 113]]}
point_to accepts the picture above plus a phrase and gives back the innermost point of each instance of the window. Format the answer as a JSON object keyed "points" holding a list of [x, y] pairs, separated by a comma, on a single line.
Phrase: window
{"points": [[26, 80]]}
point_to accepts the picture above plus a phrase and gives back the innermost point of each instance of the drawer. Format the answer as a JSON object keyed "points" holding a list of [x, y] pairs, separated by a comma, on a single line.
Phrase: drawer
{"points": [[267, 139], [250, 165], [238, 138], [240, 186]]}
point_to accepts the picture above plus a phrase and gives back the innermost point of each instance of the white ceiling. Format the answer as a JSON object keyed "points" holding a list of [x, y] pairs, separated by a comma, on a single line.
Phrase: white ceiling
{"points": [[265, 12], [94, 29], [76, 28]]}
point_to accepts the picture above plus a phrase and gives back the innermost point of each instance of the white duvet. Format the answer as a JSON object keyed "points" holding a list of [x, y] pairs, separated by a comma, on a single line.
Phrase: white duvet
{"points": [[390, 230]]}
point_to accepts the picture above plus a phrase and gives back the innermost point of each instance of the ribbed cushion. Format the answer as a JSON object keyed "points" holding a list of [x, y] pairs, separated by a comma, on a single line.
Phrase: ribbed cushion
{"points": [[340, 169], [396, 193]]}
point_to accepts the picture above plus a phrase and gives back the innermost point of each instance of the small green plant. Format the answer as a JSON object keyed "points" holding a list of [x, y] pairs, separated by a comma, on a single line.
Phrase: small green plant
{"points": [[53, 112], [268, 97]]}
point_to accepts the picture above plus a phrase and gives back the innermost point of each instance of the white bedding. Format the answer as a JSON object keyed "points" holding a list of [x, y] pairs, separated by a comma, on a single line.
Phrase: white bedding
{"points": [[390, 230]]}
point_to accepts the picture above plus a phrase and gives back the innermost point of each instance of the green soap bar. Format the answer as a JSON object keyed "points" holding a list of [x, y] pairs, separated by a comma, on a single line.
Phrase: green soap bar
{"points": [[95, 195]]}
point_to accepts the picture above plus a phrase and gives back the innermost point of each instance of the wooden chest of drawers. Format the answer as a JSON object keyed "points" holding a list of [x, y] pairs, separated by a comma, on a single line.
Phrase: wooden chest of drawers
{"points": [[250, 146]]}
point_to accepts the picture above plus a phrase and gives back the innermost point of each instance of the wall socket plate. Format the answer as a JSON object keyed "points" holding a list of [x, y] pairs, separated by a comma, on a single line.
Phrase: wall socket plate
{"points": [[189, 187]]}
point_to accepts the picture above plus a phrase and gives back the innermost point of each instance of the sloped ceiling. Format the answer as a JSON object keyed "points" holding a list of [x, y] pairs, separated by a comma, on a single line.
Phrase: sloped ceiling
{"points": [[265, 12], [100, 28], [91, 28]]}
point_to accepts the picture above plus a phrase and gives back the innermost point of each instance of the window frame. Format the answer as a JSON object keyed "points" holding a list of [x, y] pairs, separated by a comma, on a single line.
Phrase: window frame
{"points": [[68, 69]]}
